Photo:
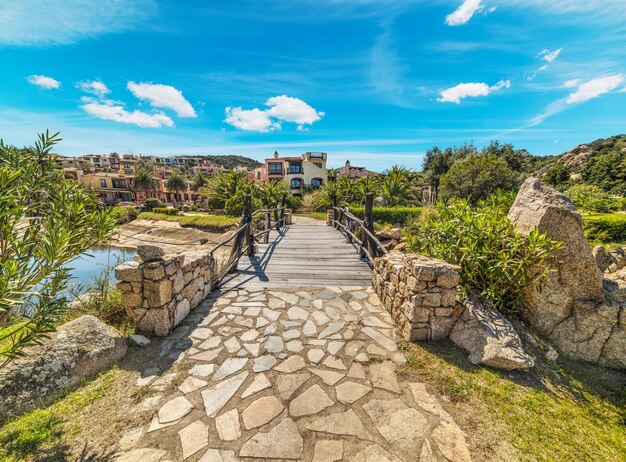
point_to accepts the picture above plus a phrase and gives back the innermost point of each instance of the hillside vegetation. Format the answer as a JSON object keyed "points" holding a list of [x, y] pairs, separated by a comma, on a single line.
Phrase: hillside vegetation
{"points": [[230, 161]]}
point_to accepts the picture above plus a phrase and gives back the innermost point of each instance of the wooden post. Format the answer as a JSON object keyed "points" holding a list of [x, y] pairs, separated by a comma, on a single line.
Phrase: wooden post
{"points": [[268, 224], [246, 217], [348, 228], [282, 210], [369, 224], [277, 224], [335, 214]]}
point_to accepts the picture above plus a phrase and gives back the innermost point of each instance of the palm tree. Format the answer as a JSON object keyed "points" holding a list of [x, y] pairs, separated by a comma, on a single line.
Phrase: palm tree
{"points": [[396, 186], [328, 195], [176, 183], [225, 191], [272, 192], [144, 180], [199, 181], [365, 185]]}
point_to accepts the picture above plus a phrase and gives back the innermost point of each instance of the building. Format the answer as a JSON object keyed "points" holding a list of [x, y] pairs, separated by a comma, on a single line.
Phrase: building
{"points": [[353, 172], [308, 170], [111, 187]]}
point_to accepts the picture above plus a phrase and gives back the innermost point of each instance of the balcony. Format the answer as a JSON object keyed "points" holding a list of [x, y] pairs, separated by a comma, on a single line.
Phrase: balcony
{"points": [[295, 170]]}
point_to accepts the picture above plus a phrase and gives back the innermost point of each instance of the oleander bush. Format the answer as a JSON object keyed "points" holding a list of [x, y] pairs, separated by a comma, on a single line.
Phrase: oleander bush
{"points": [[396, 216], [495, 261], [124, 214]]}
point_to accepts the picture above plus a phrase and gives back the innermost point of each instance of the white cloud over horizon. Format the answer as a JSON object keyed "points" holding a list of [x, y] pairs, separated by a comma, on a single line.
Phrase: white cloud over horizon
{"points": [[117, 113], [470, 90], [163, 97], [282, 108], [61, 22], [43, 81], [464, 12]]}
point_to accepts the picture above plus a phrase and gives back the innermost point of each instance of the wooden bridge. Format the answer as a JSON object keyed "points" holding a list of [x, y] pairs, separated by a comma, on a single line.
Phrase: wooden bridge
{"points": [[307, 253]]}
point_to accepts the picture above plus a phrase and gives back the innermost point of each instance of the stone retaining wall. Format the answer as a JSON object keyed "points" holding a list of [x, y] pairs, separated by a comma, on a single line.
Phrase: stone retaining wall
{"points": [[158, 291], [421, 294]]}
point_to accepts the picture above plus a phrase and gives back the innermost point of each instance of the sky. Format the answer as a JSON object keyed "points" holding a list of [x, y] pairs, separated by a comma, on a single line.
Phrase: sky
{"points": [[377, 82]]}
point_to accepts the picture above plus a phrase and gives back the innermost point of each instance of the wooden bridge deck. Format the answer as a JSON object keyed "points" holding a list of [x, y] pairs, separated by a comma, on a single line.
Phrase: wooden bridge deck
{"points": [[302, 255]]}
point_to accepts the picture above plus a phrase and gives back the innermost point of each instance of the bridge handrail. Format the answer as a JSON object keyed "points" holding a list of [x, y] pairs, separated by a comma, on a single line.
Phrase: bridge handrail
{"points": [[369, 245]]}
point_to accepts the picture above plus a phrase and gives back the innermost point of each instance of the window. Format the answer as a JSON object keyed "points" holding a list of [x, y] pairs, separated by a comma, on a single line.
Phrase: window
{"points": [[276, 168], [258, 175], [316, 182], [296, 183], [118, 184], [318, 164], [295, 168], [103, 183]]}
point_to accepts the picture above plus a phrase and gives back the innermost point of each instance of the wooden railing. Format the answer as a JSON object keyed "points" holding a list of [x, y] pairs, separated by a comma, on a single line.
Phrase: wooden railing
{"points": [[244, 237], [360, 231]]}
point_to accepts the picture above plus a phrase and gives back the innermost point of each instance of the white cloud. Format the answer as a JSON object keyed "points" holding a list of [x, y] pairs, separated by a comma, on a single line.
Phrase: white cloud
{"points": [[253, 120], [463, 13], [572, 83], [117, 113], [281, 108], [163, 96], [470, 90], [550, 56], [43, 81], [95, 87], [594, 88], [60, 22], [292, 110]]}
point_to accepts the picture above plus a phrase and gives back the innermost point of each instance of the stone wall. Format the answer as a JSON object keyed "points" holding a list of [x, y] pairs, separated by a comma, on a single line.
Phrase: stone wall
{"points": [[421, 294], [158, 291]]}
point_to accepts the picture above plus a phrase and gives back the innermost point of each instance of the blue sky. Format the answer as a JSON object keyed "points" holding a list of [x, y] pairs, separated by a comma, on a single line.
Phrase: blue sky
{"points": [[374, 81]]}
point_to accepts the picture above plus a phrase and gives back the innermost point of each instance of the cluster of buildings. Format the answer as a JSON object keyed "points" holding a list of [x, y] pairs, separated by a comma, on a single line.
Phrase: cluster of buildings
{"points": [[111, 176]]}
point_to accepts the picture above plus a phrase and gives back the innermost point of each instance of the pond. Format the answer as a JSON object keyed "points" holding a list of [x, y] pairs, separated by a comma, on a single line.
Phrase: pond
{"points": [[86, 268]]}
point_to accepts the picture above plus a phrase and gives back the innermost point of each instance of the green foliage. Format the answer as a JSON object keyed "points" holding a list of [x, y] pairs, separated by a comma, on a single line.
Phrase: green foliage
{"points": [[476, 178], [212, 223], [397, 216], [45, 222], [144, 180], [199, 181], [592, 198], [397, 187], [607, 167], [557, 175], [226, 190], [176, 183], [606, 227], [230, 162], [271, 193], [495, 261], [152, 203], [124, 214], [166, 211], [328, 195]]}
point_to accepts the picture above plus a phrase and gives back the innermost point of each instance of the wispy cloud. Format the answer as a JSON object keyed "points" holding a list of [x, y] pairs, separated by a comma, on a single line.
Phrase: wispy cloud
{"points": [[45, 82], [60, 22], [281, 109], [163, 96], [547, 56], [95, 87], [470, 90], [463, 13]]}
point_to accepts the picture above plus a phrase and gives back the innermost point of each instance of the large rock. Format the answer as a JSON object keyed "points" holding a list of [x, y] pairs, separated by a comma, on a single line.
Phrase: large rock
{"points": [[77, 349], [576, 275], [603, 259], [489, 338], [573, 310]]}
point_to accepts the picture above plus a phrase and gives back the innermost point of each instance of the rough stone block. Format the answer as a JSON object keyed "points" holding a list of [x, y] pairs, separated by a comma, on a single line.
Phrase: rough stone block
{"points": [[157, 293], [129, 271], [154, 271]]}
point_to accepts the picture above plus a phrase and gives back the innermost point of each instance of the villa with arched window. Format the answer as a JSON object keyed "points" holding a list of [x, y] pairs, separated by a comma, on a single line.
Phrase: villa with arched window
{"points": [[316, 182], [296, 183]]}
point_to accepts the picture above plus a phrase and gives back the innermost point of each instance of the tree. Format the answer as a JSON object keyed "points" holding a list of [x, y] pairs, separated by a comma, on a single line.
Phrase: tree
{"points": [[45, 222], [328, 195], [225, 191], [199, 181], [176, 183], [396, 186], [365, 185], [144, 180], [477, 177], [271, 192], [557, 174]]}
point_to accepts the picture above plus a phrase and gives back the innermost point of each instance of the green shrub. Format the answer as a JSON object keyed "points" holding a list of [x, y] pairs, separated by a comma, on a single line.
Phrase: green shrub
{"points": [[124, 214], [606, 227], [166, 211], [212, 223], [397, 216], [495, 261], [151, 203]]}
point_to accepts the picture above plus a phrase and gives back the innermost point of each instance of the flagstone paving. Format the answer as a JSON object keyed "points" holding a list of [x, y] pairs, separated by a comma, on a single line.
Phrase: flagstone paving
{"points": [[306, 375]]}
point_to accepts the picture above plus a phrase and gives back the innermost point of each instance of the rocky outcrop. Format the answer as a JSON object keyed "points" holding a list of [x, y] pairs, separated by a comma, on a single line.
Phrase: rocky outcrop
{"points": [[421, 294], [489, 337], [77, 349], [572, 310]]}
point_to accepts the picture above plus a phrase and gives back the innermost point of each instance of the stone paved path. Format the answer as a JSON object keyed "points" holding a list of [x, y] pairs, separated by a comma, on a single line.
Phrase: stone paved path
{"points": [[288, 375]]}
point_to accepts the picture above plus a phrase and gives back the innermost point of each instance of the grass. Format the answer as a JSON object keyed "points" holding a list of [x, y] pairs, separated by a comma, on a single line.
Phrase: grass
{"points": [[212, 223], [41, 432], [316, 215], [553, 413]]}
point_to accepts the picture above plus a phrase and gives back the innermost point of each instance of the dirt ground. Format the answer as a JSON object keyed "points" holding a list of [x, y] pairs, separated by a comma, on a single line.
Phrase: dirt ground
{"points": [[169, 235]]}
